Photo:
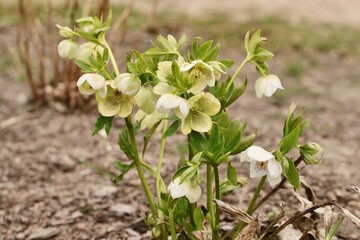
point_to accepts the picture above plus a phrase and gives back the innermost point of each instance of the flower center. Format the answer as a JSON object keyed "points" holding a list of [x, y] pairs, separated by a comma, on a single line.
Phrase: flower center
{"points": [[261, 166]]}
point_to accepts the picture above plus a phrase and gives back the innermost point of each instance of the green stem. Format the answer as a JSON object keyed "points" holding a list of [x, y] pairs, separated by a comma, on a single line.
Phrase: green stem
{"points": [[217, 211], [191, 150], [240, 226], [112, 59], [172, 223], [209, 193], [236, 73], [138, 165], [160, 160]]}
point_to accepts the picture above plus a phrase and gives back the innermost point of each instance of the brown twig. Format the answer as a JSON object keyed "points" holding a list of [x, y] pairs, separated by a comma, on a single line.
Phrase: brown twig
{"points": [[298, 215]]}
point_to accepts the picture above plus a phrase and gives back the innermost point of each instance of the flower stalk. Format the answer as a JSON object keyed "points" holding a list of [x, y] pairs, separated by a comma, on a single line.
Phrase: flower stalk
{"points": [[138, 166]]}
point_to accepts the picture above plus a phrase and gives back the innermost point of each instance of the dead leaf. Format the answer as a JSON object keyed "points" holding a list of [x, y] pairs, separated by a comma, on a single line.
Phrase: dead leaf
{"points": [[249, 232], [233, 211]]}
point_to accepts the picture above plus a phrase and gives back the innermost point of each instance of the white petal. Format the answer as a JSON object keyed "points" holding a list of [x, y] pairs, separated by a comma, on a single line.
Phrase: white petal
{"points": [[176, 189], [260, 86], [274, 180], [275, 81], [170, 101], [187, 66], [244, 156], [96, 81], [194, 194], [256, 171], [259, 154], [162, 88], [82, 79], [103, 91], [164, 70], [274, 168]]}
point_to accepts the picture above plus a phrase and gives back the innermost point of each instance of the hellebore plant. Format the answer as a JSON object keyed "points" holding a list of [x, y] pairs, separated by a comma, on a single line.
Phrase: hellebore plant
{"points": [[169, 90]]}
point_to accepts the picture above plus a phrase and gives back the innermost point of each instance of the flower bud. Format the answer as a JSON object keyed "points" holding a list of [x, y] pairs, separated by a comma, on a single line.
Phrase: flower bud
{"points": [[146, 100], [67, 49], [66, 32], [127, 83], [87, 50]]}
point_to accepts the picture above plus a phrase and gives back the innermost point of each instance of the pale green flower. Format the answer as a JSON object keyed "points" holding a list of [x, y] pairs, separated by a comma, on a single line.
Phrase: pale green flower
{"points": [[127, 83], [190, 189], [201, 75], [146, 100], [90, 83], [87, 50], [164, 70], [149, 120], [202, 107], [115, 103], [262, 163], [267, 86], [169, 101], [67, 49]]}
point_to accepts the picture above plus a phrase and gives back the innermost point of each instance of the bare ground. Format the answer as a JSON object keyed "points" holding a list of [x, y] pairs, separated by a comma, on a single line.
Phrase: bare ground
{"points": [[54, 177]]}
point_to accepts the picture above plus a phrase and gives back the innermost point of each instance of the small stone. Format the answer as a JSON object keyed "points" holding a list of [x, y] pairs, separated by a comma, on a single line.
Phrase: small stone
{"points": [[63, 162], [122, 209], [44, 233], [104, 191], [20, 236]]}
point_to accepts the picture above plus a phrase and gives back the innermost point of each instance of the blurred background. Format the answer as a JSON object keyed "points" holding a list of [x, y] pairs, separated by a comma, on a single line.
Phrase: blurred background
{"points": [[55, 178]]}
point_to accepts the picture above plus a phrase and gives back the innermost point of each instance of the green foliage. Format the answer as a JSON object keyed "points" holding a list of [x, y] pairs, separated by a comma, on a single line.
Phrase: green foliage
{"points": [[290, 172], [103, 122]]}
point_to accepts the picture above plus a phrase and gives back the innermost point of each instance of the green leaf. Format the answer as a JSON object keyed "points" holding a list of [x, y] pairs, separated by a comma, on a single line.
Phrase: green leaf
{"points": [[181, 210], [231, 174], [172, 129], [290, 172], [236, 93], [125, 144], [244, 144], [124, 168], [198, 142], [289, 141], [214, 138], [189, 173], [198, 216], [102, 122], [148, 136], [212, 54]]}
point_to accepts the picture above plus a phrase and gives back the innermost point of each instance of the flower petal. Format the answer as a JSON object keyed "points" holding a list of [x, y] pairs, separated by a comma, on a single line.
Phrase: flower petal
{"points": [[170, 101], [126, 106], [162, 88], [274, 168], [259, 154], [128, 84], [244, 156], [103, 91], [257, 169], [185, 125], [82, 79], [274, 180], [194, 194], [96, 81], [208, 104], [146, 100], [86, 89], [110, 105], [200, 122], [260, 86], [164, 70], [176, 189]]}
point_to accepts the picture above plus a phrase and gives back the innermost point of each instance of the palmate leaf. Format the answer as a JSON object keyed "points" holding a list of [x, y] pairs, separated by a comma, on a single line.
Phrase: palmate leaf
{"points": [[102, 122], [124, 168]]}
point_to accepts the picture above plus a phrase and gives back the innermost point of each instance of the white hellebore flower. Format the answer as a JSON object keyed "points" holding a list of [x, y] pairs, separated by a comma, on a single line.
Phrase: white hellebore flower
{"points": [[262, 163], [127, 83], [67, 49], [170, 101], [89, 83], [188, 188], [267, 86]]}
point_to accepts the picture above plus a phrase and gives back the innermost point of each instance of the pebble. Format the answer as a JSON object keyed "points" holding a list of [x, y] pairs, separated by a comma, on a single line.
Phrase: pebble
{"points": [[104, 191], [44, 233], [121, 209]]}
